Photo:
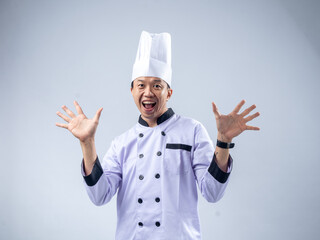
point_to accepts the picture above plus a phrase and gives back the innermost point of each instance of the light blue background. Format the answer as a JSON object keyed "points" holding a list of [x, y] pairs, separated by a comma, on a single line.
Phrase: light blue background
{"points": [[267, 52]]}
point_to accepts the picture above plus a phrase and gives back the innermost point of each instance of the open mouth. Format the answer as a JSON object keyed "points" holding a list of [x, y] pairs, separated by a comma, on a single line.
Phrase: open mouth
{"points": [[149, 106]]}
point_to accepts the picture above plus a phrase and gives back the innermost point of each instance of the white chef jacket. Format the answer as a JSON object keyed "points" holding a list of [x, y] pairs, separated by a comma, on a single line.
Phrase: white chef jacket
{"points": [[155, 171]]}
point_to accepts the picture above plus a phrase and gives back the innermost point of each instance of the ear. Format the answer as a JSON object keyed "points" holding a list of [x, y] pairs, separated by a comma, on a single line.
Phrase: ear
{"points": [[169, 94]]}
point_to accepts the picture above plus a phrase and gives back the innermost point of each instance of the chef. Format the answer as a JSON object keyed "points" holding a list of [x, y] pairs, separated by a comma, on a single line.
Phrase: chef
{"points": [[157, 165]]}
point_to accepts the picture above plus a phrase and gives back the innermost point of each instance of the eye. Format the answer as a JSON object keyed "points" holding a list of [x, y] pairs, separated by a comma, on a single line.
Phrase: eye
{"points": [[157, 86], [140, 85]]}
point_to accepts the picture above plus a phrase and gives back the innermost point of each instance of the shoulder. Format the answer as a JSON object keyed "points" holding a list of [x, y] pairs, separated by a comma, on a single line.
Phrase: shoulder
{"points": [[185, 125], [125, 137], [195, 128], [188, 122]]}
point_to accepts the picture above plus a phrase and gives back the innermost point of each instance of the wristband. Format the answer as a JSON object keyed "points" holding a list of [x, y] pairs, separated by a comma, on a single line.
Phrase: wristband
{"points": [[224, 145]]}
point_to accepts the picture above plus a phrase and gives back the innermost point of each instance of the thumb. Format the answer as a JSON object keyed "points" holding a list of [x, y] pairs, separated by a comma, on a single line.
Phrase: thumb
{"points": [[98, 114]]}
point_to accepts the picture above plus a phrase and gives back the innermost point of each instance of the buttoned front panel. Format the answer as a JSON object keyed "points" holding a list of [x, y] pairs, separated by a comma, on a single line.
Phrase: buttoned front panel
{"points": [[149, 211]]}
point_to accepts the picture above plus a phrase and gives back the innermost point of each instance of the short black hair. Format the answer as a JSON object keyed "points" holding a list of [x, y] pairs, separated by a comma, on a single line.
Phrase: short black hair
{"points": [[133, 80]]}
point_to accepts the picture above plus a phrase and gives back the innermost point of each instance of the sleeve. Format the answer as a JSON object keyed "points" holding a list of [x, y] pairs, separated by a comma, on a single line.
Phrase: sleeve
{"points": [[105, 178], [212, 181]]}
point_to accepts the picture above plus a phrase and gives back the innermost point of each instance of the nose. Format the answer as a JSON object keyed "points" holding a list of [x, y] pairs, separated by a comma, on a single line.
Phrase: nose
{"points": [[148, 92]]}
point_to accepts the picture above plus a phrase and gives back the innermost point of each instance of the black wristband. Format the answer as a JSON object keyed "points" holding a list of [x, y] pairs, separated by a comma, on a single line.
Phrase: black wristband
{"points": [[224, 144]]}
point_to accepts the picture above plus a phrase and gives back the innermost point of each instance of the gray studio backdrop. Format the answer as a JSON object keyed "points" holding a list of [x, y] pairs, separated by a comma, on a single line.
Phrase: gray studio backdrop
{"points": [[54, 52]]}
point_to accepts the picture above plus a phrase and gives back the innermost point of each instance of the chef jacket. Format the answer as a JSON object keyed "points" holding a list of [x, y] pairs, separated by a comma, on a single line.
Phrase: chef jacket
{"points": [[155, 171]]}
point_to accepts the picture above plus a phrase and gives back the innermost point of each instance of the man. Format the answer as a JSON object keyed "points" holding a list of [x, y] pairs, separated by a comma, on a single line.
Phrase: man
{"points": [[156, 165]]}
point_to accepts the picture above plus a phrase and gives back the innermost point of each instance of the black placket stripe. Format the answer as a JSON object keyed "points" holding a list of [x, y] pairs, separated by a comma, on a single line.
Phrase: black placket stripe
{"points": [[179, 146]]}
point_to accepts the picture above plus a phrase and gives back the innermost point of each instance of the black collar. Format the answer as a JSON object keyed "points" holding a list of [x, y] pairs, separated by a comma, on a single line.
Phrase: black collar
{"points": [[168, 114]]}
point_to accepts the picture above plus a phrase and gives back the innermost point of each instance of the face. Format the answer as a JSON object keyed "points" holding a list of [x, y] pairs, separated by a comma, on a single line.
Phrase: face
{"points": [[151, 94]]}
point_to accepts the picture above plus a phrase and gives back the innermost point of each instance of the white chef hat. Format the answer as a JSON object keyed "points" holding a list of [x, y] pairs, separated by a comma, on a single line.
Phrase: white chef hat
{"points": [[153, 57]]}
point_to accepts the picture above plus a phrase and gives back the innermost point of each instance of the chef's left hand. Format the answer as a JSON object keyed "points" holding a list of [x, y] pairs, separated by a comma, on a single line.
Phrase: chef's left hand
{"points": [[231, 125]]}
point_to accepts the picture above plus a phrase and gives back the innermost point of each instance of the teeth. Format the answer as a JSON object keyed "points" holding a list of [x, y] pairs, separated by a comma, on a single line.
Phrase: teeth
{"points": [[148, 102]]}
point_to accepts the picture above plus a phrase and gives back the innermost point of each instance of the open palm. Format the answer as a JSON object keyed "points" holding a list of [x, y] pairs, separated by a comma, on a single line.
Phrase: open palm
{"points": [[80, 126], [231, 125]]}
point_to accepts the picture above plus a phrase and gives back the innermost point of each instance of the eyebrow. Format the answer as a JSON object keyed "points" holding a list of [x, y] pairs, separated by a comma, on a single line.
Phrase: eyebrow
{"points": [[155, 80]]}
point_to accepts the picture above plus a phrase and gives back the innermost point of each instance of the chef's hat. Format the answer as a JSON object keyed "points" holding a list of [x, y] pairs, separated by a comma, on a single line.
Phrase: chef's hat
{"points": [[153, 57]]}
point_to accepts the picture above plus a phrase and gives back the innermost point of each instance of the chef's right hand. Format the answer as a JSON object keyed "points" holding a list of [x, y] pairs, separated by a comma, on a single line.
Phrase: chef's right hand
{"points": [[80, 126]]}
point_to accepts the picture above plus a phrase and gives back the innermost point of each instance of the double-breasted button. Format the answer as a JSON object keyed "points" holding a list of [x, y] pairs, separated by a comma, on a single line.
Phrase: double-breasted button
{"points": [[141, 135], [140, 224], [157, 199], [158, 224], [141, 155], [163, 133], [141, 177], [159, 153], [157, 175], [140, 200]]}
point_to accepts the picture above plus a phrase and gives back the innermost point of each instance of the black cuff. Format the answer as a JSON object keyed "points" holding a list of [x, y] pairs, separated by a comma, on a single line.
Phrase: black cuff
{"points": [[216, 172], [95, 175]]}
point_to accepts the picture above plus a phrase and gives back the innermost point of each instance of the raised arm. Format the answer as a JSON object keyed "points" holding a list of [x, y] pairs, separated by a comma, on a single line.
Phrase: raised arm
{"points": [[84, 129]]}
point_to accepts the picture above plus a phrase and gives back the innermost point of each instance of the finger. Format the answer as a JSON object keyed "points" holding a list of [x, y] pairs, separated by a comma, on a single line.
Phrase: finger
{"points": [[252, 128], [63, 117], [78, 108], [249, 118], [98, 114], [62, 125], [248, 110], [70, 113], [215, 111], [238, 107]]}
